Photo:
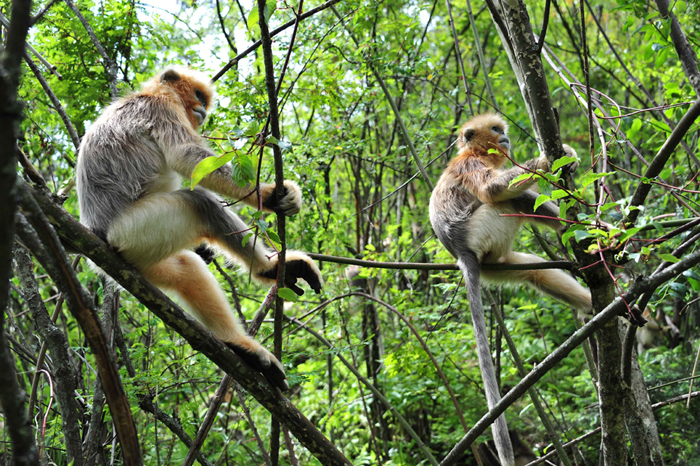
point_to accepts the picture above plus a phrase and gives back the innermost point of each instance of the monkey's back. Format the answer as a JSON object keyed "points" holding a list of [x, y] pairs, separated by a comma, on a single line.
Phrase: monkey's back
{"points": [[122, 156], [451, 208]]}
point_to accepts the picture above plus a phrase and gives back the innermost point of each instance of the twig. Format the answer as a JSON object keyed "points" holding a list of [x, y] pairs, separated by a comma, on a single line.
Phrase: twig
{"points": [[404, 423], [554, 437], [565, 265], [41, 238], [480, 53], [273, 33], [75, 139], [458, 54], [24, 449], [109, 65], [392, 104], [208, 420], [218, 398], [85, 242]]}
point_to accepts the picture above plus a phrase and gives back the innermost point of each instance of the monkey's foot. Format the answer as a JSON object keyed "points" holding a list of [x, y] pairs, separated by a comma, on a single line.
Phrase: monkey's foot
{"points": [[258, 357], [298, 265]]}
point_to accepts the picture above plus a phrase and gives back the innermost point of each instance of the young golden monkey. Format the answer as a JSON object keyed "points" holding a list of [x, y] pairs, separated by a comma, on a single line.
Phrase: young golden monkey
{"points": [[129, 171], [465, 211]]}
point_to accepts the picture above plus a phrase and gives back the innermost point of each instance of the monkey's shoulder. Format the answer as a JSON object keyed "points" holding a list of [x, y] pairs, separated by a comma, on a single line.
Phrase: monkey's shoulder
{"points": [[139, 118]]}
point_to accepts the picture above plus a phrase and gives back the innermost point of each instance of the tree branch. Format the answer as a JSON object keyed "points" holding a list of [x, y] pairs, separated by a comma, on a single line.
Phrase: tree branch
{"points": [[82, 240]]}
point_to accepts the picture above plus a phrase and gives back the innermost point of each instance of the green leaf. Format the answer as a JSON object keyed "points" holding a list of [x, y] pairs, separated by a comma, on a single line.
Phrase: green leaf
{"points": [[561, 161], [581, 235], [243, 170], [253, 17], [287, 295], [273, 236], [270, 8], [630, 232], [207, 166], [669, 258], [636, 126], [246, 238], [590, 177], [661, 58], [559, 194], [541, 199], [520, 178]]}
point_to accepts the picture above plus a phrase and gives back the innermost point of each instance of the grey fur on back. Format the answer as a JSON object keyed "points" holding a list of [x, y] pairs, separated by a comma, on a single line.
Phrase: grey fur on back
{"points": [[450, 219], [122, 155]]}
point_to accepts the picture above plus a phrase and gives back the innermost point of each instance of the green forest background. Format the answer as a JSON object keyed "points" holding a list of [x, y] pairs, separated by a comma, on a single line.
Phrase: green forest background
{"points": [[364, 199]]}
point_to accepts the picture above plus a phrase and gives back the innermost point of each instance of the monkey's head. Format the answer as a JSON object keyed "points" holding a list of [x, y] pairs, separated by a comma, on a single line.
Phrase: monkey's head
{"points": [[195, 91], [484, 132]]}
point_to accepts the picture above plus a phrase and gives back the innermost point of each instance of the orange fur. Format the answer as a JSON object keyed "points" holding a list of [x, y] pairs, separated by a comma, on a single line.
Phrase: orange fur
{"points": [[184, 89]]}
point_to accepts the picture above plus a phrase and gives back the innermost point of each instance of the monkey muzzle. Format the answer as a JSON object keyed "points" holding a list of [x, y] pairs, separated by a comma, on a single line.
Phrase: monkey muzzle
{"points": [[199, 113], [504, 142]]}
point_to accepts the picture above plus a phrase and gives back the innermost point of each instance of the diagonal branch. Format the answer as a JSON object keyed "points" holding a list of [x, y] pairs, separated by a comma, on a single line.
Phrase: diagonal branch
{"points": [[80, 239], [659, 161], [614, 309]]}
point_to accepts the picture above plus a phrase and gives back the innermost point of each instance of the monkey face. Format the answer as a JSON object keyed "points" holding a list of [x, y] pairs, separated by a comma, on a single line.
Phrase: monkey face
{"points": [[194, 91], [199, 110], [485, 132]]}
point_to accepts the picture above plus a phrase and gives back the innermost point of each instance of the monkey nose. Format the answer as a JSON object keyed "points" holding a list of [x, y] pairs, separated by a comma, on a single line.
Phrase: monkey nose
{"points": [[504, 142], [199, 113]]}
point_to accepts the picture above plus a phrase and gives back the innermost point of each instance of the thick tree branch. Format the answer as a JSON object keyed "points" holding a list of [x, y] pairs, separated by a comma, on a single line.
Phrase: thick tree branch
{"points": [[273, 33], [659, 161], [63, 373], [685, 51], [82, 240], [11, 396], [42, 240]]}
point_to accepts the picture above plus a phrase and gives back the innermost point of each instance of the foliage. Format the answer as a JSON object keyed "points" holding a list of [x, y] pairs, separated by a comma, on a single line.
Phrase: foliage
{"points": [[343, 146]]}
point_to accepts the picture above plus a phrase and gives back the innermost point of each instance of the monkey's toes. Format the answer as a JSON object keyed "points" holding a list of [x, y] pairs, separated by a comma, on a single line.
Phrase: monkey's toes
{"points": [[264, 362]]}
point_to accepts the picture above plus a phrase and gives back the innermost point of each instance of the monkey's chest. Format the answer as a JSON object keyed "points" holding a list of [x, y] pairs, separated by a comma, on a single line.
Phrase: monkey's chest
{"points": [[489, 234]]}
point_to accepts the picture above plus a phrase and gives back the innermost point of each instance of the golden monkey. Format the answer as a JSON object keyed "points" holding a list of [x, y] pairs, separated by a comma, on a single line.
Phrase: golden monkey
{"points": [[465, 211], [129, 171]]}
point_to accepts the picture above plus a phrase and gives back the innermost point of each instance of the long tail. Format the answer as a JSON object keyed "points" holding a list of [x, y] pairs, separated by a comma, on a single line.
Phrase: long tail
{"points": [[469, 265]]}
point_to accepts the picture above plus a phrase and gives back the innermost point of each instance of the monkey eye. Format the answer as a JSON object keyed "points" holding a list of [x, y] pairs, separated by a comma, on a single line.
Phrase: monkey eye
{"points": [[497, 129], [200, 96]]}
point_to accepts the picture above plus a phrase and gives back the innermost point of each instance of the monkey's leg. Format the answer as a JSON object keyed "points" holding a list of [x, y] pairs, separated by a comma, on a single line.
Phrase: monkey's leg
{"points": [[162, 224], [553, 282], [188, 276]]}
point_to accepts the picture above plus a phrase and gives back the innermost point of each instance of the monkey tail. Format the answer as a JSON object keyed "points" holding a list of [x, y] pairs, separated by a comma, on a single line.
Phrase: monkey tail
{"points": [[469, 265]]}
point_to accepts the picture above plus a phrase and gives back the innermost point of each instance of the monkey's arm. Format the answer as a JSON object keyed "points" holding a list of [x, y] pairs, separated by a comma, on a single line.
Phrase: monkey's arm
{"points": [[184, 158], [490, 185]]}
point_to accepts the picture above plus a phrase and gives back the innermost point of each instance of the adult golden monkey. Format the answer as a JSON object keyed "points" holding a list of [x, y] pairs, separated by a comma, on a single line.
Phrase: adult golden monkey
{"points": [[129, 171], [465, 211]]}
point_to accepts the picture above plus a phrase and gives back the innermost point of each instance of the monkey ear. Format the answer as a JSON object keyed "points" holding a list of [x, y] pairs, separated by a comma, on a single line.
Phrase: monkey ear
{"points": [[169, 76], [468, 135]]}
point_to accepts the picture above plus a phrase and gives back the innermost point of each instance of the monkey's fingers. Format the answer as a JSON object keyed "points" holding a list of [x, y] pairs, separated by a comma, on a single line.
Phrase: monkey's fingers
{"points": [[290, 204], [302, 269], [266, 365]]}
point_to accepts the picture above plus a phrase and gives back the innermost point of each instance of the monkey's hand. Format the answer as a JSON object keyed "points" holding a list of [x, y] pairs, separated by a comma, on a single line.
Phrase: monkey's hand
{"points": [[542, 163], [572, 166], [290, 203], [261, 360], [298, 265]]}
